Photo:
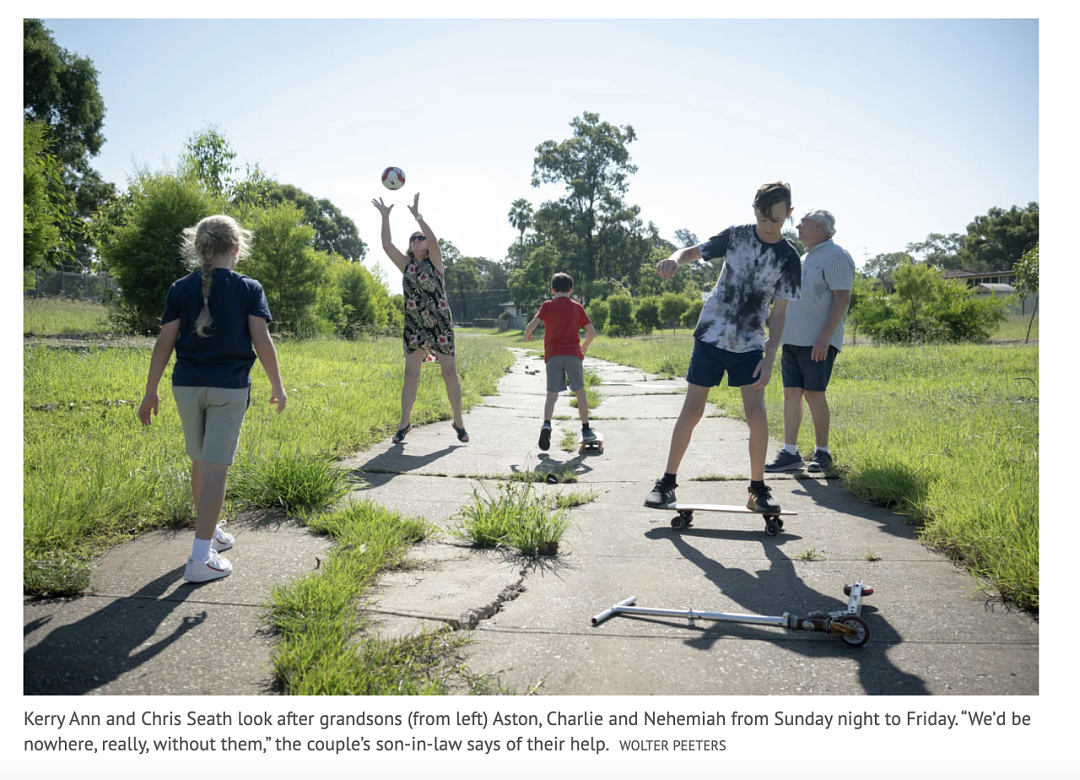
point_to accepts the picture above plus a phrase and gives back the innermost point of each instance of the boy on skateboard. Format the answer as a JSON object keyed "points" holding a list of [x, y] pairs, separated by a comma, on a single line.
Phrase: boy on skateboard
{"points": [[760, 266], [564, 352]]}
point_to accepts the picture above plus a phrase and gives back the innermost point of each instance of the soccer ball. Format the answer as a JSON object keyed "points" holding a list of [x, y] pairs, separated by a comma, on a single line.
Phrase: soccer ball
{"points": [[393, 178]]}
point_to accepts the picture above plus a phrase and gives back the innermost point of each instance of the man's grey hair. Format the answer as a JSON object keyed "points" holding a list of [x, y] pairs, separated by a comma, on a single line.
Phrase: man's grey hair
{"points": [[823, 218]]}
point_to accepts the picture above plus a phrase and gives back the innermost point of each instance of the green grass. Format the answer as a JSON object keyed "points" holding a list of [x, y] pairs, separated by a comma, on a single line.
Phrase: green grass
{"points": [[515, 518], [322, 645], [93, 475], [1015, 328], [568, 442], [573, 498], [63, 317], [592, 398], [946, 435]]}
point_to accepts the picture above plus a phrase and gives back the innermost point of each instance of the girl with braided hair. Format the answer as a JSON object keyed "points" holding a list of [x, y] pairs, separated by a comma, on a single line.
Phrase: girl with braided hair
{"points": [[216, 320]]}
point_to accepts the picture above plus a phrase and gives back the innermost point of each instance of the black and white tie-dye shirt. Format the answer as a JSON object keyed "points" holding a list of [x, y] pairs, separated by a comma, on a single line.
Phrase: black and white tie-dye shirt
{"points": [[733, 318]]}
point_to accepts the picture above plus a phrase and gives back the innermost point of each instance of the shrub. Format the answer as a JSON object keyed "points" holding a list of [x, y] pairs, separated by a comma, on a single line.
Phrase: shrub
{"points": [[672, 308], [620, 320], [690, 316], [598, 313], [647, 315]]}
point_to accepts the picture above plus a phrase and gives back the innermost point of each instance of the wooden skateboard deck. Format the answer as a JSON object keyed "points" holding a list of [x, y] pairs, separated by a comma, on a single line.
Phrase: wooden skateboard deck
{"points": [[685, 516], [597, 444]]}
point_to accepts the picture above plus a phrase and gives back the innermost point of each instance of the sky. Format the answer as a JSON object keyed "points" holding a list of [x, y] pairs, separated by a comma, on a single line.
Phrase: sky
{"points": [[899, 127]]}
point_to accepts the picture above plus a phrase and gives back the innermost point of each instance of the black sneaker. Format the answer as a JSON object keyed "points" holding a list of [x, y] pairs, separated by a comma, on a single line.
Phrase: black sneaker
{"points": [[545, 438], [785, 461], [761, 499], [662, 494], [822, 461]]}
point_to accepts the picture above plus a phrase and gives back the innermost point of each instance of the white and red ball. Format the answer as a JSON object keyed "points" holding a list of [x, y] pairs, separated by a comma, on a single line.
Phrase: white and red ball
{"points": [[393, 178]]}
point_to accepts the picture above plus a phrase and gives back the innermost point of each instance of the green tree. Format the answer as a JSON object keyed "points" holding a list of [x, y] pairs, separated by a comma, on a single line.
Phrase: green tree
{"points": [[598, 313], [693, 311], [883, 266], [60, 90], [916, 285], [672, 308], [596, 233], [462, 285], [290, 269], [334, 232], [647, 315], [143, 250], [41, 213], [685, 238], [620, 320], [521, 217], [996, 240], [1027, 281], [939, 250], [530, 285], [793, 236]]}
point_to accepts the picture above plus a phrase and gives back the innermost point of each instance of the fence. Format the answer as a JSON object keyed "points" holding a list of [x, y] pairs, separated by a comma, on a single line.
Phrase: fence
{"points": [[62, 282], [512, 322]]}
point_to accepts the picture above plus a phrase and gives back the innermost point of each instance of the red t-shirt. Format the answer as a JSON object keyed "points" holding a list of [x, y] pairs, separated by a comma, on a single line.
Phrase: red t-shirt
{"points": [[562, 318]]}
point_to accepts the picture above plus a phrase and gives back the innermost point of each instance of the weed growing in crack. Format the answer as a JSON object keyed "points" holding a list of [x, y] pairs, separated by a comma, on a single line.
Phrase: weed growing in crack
{"points": [[568, 442], [573, 499], [515, 518]]}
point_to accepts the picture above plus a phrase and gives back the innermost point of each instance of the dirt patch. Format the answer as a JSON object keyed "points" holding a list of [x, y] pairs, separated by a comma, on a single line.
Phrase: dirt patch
{"points": [[86, 341]]}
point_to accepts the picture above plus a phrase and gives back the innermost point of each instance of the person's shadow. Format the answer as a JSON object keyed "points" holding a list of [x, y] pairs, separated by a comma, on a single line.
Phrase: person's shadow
{"points": [[834, 494], [779, 589], [396, 461], [89, 653]]}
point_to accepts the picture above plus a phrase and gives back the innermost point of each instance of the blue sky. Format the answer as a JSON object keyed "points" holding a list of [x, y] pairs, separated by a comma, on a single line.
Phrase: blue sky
{"points": [[899, 127]]}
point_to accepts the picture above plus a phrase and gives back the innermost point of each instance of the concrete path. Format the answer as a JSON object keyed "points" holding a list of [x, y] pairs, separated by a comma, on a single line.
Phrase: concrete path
{"points": [[141, 630]]}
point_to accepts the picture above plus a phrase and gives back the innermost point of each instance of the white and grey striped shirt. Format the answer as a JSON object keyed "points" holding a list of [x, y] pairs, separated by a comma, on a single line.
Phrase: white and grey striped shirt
{"points": [[825, 268]]}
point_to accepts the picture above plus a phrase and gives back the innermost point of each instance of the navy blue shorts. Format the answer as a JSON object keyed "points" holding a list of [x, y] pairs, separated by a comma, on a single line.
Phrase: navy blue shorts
{"points": [[708, 364], [798, 370]]}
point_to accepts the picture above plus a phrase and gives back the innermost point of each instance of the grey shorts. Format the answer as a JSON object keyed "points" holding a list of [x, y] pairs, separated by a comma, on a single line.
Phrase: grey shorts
{"points": [[563, 370], [212, 417]]}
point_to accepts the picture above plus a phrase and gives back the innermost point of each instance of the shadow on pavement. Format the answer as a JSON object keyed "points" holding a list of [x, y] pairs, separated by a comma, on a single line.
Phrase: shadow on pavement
{"points": [[777, 590], [92, 652]]}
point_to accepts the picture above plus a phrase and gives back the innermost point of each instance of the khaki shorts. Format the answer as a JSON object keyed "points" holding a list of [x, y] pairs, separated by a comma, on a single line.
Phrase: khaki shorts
{"points": [[563, 370], [212, 417]]}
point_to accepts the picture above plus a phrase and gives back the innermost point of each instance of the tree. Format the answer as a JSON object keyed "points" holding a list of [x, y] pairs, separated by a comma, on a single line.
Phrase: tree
{"points": [[685, 238], [1027, 281], [334, 232], [883, 266], [143, 250], [290, 269], [596, 233], [939, 250], [647, 315], [915, 284], [60, 90], [521, 217], [995, 241], [41, 213], [462, 285], [530, 284], [672, 308]]}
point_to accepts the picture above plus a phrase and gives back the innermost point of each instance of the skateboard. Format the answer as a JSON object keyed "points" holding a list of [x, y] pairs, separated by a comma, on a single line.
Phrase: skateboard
{"points": [[596, 444], [773, 523]]}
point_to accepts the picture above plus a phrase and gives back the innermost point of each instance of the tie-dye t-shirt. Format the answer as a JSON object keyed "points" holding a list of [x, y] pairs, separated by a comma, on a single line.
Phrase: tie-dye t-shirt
{"points": [[733, 318]]}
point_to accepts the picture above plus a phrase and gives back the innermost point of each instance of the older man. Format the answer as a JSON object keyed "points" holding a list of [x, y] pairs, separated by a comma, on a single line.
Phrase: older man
{"points": [[813, 337]]}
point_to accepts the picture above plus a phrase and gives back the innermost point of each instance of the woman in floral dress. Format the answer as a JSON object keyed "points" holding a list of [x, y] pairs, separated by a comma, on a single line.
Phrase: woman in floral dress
{"points": [[429, 328]]}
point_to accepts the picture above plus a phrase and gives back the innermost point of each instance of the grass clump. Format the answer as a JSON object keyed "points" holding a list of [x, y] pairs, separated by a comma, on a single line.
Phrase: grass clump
{"points": [[322, 649], [573, 498], [568, 443], [592, 398], [297, 483], [515, 518]]}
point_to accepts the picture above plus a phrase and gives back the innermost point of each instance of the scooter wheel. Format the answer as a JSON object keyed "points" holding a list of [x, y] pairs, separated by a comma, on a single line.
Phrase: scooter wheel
{"points": [[866, 590], [862, 630]]}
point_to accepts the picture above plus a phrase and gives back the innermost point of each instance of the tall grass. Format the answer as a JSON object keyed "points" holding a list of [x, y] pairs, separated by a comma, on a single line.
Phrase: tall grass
{"points": [[63, 317], [947, 435], [516, 517], [92, 473]]}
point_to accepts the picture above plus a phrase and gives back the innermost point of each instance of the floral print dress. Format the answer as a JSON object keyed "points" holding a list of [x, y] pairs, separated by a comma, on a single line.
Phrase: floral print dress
{"points": [[428, 323]]}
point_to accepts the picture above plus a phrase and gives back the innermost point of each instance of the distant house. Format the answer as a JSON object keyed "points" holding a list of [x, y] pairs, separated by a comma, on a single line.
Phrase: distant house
{"points": [[972, 278], [511, 318]]}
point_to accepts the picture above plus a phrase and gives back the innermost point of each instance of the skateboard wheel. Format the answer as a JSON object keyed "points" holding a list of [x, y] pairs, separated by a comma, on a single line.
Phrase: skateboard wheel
{"points": [[677, 522], [772, 528], [862, 630], [866, 590]]}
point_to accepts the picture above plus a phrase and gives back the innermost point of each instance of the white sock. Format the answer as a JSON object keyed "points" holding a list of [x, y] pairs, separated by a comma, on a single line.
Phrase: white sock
{"points": [[823, 449], [792, 448], [200, 550]]}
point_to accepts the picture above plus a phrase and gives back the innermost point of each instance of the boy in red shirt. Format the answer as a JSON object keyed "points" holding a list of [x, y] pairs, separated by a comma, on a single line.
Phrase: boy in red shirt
{"points": [[563, 352]]}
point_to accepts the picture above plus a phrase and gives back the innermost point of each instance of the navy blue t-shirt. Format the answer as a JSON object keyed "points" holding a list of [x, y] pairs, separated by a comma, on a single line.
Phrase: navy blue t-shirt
{"points": [[224, 357]]}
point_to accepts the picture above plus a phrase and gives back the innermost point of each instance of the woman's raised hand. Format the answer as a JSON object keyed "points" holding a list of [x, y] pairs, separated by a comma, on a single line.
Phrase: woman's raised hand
{"points": [[415, 207], [382, 207]]}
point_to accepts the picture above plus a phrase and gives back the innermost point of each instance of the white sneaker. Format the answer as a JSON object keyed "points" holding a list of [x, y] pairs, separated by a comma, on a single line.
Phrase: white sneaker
{"points": [[214, 569], [222, 541]]}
